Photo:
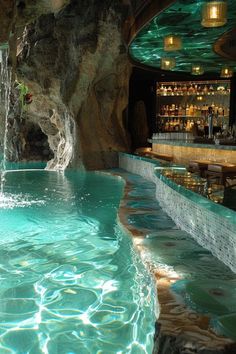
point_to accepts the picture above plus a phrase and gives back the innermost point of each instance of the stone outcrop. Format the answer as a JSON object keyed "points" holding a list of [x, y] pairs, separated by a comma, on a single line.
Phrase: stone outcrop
{"points": [[6, 19], [75, 65], [139, 126]]}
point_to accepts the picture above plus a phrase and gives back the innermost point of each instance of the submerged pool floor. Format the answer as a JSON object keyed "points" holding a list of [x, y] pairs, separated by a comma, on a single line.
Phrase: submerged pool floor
{"points": [[204, 289], [71, 282]]}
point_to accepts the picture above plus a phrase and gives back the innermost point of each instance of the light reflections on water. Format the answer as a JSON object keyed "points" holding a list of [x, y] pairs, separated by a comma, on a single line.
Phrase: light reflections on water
{"points": [[70, 280], [10, 201]]}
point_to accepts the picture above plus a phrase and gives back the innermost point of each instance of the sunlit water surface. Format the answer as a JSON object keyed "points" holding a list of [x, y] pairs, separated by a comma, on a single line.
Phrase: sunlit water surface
{"points": [[70, 279]]}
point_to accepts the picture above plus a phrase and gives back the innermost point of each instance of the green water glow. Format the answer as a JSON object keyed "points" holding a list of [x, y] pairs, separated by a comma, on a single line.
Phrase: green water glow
{"points": [[182, 18]]}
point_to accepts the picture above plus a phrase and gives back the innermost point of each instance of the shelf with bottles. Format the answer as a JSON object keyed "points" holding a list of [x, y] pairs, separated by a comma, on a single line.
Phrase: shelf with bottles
{"points": [[190, 88], [187, 123], [191, 110], [191, 117]]}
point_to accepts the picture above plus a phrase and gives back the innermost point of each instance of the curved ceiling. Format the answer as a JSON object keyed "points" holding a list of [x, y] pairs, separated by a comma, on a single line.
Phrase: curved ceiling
{"points": [[183, 18]]}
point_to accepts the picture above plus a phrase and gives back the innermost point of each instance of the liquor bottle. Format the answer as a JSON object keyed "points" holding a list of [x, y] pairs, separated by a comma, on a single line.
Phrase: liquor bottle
{"points": [[211, 89], [176, 110], [177, 124], [180, 90], [162, 110], [173, 109], [220, 110], [187, 110], [167, 110], [169, 90], [188, 125], [199, 90], [191, 110], [161, 90], [205, 89], [175, 90], [191, 89], [167, 125], [185, 89]]}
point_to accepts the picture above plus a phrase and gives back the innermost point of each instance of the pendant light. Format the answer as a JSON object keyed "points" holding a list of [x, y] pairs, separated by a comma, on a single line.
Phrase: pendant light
{"points": [[214, 13], [172, 43], [197, 70], [167, 63], [226, 72]]}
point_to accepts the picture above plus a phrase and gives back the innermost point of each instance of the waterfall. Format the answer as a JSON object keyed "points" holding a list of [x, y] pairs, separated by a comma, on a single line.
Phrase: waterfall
{"points": [[5, 89], [63, 143]]}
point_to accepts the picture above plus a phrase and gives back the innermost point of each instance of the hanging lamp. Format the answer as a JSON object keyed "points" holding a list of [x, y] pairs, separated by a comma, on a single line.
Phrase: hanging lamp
{"points": [[197, 70], [226, 72], [214, 13], [172, 43], [167, 63]]}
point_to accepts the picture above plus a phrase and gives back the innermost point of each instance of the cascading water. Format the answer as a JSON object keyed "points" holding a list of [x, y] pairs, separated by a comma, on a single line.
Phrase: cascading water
{"points": [[63, 143], [5, 89]]}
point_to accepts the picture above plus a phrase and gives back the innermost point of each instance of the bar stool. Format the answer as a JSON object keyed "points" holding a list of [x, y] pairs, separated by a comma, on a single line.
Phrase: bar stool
{"points": [[198, 166], [221, 172]]}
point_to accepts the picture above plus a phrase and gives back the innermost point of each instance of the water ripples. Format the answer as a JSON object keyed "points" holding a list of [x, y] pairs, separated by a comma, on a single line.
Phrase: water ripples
{"points": [[10, 201], [70, 280]]}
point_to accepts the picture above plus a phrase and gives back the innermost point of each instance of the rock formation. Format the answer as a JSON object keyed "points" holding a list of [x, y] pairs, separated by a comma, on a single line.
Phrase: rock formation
{"points": [[6, 19], [74, 63]]}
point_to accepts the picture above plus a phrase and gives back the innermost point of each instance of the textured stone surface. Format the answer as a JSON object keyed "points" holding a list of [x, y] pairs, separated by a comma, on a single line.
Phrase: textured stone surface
{"points": [[27, 10], [6, 19], [139, 126], [72, 57], [75, 65], [15, 15]]}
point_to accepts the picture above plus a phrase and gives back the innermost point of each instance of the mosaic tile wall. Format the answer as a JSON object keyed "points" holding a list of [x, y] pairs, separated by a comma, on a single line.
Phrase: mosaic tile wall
{"points": [[211, 230], [139, 165]]}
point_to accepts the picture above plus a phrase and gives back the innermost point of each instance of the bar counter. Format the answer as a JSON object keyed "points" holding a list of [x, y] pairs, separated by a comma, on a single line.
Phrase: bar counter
{"points": [[182, 151]]}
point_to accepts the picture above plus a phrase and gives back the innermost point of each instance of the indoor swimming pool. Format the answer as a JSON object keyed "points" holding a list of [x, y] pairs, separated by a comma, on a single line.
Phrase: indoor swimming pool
{"points": [[71, 282]]}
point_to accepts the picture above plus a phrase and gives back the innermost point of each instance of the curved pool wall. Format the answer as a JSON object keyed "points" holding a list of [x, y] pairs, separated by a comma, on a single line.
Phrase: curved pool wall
{"points": [[71, 281], [211, 225]]}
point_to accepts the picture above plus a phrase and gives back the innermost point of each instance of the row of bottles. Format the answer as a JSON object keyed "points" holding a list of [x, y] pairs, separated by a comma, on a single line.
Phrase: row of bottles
{"points": [[192, 89], [182, 124], [174, 124], [175, 110]]}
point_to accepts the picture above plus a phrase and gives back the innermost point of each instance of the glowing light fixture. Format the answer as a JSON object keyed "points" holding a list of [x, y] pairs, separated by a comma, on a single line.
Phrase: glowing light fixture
{"points": [[167, 63], [214, 13], [199, 98], [172, 43], [226, 72], [197, 70]]}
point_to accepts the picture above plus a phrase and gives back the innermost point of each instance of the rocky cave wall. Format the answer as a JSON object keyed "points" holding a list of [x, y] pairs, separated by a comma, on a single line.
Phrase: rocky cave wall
{"points": [[75, 64]]}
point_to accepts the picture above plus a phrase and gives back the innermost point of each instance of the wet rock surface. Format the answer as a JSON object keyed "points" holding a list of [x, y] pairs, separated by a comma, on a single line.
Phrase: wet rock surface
{"points": [[75, 65], [6, 19]]}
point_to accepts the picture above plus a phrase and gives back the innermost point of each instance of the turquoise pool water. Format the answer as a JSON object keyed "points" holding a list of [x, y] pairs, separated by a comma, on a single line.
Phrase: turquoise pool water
{"points": [[71, 282]]}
